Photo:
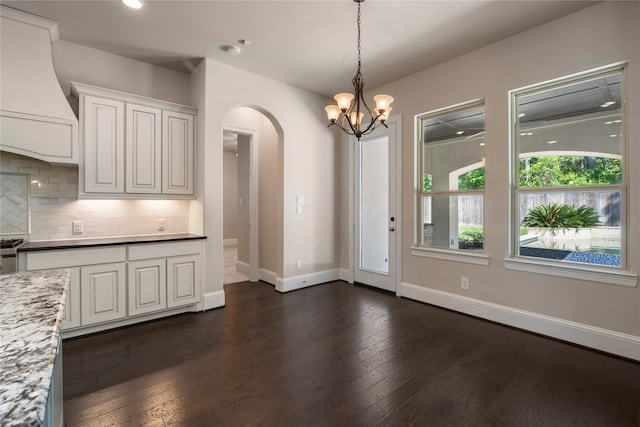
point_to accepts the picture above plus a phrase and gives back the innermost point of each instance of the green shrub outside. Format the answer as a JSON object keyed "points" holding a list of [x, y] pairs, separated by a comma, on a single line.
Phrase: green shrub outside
{"points": [[471, 235]]}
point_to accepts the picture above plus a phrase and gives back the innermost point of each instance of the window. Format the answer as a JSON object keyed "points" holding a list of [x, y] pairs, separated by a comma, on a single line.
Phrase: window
{"points": [[568, 170], [451, 178]]}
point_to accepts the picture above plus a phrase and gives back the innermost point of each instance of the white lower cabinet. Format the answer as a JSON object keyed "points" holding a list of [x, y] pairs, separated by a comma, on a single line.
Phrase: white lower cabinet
{"points": [[103, 293], [71, 318], [183, 282], [147, 283], [123, 284]]}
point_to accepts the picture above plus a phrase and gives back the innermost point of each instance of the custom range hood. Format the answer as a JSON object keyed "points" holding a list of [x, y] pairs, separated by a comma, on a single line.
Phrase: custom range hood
{"points": [[35, 118]]}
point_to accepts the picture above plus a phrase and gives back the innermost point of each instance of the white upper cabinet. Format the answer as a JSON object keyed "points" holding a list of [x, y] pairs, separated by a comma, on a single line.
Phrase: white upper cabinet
{"points": [[102, 122], [134, 147], [144, 149], [177, 152]]}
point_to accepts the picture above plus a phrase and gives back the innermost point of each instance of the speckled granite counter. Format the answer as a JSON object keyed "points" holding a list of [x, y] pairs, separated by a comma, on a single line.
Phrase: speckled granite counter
{"points": [[105, 241], [31, 307]]}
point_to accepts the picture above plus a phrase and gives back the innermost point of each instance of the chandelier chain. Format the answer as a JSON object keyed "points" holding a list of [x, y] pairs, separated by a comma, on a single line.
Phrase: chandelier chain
{"points": [[358, 36]]}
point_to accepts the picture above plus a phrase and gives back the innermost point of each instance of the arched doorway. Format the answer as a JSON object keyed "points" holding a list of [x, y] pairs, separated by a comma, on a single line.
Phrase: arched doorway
{"points": [[251, 215]]}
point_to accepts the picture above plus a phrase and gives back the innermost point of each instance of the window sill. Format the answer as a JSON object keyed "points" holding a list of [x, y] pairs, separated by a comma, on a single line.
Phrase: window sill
{"points": [[573, 271], [451, 255]]}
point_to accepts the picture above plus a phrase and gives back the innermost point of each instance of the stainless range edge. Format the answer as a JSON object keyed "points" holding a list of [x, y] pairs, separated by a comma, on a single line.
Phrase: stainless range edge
{"points": [[9, 255]]}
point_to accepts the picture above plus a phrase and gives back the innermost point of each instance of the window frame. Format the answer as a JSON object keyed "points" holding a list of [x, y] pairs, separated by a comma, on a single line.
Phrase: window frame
{"points": [[418, 248], [590, 272]]}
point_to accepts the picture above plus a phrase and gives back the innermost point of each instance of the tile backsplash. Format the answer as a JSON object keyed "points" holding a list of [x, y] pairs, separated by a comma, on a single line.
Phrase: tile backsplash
{"points": [[54, 205]]}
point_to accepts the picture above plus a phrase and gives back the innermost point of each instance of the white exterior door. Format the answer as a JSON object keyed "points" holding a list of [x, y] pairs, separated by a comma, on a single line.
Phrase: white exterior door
{"points": [[376, 209]]}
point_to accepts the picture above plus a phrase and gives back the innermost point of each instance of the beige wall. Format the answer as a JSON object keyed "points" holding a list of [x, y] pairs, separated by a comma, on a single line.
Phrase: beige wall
{"points": [[305, 150], [600, 35], [77, 63], [230, 216]]}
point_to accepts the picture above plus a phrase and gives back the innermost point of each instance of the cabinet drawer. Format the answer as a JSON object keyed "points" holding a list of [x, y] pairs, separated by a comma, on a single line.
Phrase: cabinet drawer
{"points": [[163, 250], [41, 260]]}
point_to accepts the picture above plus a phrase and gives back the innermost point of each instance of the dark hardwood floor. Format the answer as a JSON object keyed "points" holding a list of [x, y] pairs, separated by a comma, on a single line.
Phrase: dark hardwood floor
{"points": [[338, 354]]}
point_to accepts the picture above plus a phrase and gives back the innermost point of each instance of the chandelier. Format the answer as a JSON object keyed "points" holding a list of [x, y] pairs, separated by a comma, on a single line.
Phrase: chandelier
{"points": [[350, 110]]}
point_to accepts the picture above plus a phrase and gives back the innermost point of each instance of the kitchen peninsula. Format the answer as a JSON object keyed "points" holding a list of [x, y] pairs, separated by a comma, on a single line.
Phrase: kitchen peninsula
{"points": [[31, 310]]}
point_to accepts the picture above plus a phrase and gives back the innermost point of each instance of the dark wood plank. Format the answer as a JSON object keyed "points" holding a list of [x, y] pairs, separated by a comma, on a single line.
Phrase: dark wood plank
{"points": [[338, 354]]}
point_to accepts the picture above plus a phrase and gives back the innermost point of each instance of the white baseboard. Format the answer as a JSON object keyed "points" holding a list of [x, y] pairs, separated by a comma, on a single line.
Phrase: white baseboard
{"points": [[230, 242], [578, 333], [306, 280], [243, 267], [213, 300], [346, 275], [268, 276]]}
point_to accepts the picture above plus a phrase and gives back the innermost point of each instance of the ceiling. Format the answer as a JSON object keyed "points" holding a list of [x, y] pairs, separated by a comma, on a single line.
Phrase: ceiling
{"points": [[305, 43]]}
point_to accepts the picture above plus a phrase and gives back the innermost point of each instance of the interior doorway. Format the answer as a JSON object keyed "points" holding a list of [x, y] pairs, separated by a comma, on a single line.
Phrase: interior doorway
{"points": [[241, 210], [255, 139]]}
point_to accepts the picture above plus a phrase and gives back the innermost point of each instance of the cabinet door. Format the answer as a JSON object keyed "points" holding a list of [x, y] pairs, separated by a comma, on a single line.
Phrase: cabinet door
{"points": [[183, 280], [103, 144], [144, 149], [147, 286], [177, 153], [71, 318], [102, 292]]}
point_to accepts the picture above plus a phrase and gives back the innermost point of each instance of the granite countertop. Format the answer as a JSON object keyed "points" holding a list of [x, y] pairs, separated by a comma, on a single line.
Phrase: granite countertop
{"points": [[31, 309], [105, 241]]}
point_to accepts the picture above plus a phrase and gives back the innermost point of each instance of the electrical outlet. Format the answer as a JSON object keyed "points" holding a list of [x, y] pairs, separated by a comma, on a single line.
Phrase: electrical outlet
{"points": [[464, 283], [77, 227], [162, 225], [298, 264]]}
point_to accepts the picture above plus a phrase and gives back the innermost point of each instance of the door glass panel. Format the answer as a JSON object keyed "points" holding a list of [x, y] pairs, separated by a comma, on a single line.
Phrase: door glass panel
{"points": [[374, 205]]}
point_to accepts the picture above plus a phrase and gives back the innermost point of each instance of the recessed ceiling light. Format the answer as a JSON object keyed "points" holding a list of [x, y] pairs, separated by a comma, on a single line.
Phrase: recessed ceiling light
{"points": [[522, 114], [610, 122], [613, 136], [482, 144], [133, 4], [460, 132], [607, 104], [552, 142], [526, 133]]}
